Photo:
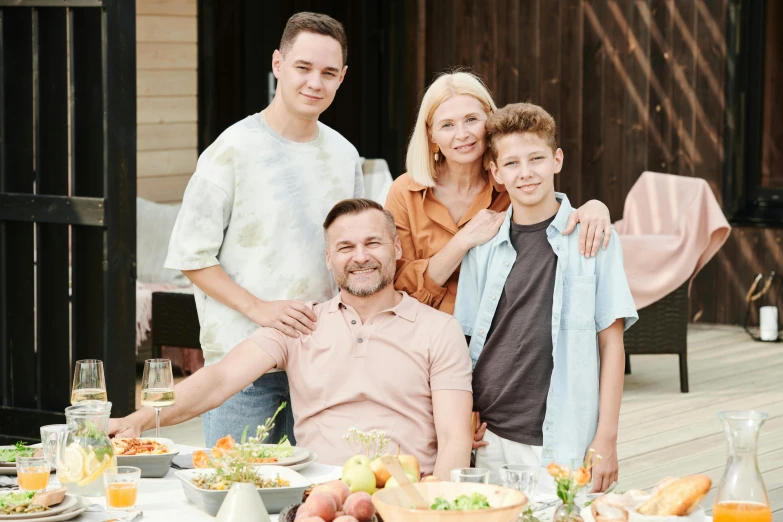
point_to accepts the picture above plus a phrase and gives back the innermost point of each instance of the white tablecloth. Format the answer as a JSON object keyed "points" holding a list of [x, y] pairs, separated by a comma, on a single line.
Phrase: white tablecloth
{"points": [[162, 500]]}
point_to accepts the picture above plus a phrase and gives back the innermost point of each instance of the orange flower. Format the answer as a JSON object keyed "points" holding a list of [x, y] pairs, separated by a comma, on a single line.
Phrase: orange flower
{"points": [[553, 469], [226, 443], [565, 471], [200, 459], [582, 476]]}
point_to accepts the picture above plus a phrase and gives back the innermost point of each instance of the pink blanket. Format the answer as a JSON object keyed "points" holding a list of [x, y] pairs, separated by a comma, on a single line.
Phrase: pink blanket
{"points": [[671, 227]]}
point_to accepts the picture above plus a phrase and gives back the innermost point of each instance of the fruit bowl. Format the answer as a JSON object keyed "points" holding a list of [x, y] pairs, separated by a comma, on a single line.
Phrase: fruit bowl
{"points": [[506, 504]]}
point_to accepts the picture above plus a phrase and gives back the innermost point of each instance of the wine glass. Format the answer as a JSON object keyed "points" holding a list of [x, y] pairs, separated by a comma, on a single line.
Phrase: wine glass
{"points": [[157, 387], [89, 383]]}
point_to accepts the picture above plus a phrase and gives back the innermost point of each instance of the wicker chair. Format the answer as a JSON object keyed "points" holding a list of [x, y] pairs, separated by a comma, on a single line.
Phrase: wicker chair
{"points": [[662, 329], [174, 322]]}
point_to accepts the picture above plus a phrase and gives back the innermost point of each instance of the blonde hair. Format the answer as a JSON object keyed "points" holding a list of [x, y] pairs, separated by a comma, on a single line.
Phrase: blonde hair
{"points": [[420, 160]]}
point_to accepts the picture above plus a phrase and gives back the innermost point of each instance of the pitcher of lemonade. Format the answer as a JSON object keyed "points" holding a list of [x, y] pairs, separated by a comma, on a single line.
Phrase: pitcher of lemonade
{"points": [[742, 496], [84, 451]]}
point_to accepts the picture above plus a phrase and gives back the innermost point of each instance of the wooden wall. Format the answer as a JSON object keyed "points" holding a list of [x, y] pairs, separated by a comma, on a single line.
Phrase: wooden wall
{"points": [[634, 85], [167, 113]]}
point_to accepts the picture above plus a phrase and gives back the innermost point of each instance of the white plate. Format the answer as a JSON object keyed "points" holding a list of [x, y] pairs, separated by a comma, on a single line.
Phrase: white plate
{"points": [[67, 503], [275, 499], [66, 515], [300, 455], [302, 465]]}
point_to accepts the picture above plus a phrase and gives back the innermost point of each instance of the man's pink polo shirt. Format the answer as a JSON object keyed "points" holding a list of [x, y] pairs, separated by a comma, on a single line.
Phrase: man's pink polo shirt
{"points": [[376, 375]]}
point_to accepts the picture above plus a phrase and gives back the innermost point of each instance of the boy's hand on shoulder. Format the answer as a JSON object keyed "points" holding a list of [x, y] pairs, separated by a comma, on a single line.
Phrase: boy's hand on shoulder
{"points": [[290, 317], [605, 471]]}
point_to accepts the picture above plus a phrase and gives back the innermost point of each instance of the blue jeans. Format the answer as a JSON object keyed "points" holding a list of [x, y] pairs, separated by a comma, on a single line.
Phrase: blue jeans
{"points": [[251, 407]]}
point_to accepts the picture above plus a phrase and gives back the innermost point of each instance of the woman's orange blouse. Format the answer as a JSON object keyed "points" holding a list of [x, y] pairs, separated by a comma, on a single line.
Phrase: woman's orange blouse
{"points": [[425, 226]]}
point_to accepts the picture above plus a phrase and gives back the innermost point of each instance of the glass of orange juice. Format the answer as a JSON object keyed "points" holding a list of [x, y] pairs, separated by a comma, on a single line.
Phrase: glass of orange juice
{"points": [[33, 473], [121, 486]]}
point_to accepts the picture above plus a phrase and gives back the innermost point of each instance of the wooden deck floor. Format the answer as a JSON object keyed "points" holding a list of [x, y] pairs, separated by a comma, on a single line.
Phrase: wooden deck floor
{"points": [[666, 433]]}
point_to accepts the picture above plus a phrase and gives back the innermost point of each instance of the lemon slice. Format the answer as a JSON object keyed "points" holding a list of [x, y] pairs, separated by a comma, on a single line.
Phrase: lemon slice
{"points": [[107, 461], [71, 468], [91, 464]]}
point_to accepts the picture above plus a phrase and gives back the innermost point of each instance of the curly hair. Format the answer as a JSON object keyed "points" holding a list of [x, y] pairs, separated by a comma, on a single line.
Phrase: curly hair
{"points": [[518, 118]]}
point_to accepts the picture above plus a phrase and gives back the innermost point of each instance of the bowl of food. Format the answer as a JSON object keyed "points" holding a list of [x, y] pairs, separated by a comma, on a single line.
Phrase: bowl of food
{"points": [[451, 501], [153, 456], [277, 486]]}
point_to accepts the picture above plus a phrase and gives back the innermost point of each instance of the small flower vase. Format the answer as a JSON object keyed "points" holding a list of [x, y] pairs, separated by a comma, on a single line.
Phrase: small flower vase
{"points": [[567, 513]]}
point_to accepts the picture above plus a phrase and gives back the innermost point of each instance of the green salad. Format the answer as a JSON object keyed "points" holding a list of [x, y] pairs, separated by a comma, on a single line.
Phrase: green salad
{"points": [[473, 502], [20, 449], [19, 503]]}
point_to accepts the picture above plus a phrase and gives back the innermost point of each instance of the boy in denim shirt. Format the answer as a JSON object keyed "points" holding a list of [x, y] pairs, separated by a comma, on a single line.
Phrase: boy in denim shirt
{"points": [[546, 324]]}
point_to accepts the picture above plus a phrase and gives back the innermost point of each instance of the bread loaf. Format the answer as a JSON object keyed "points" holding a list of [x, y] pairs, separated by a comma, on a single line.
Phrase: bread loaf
{"points": [[49, 498], [677, 498]]}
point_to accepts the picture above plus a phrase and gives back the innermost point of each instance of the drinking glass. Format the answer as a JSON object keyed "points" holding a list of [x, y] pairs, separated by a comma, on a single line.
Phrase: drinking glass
{"points": [[157, 387], [49, 436], [521, 477], [89, 383], [32, 472], [121, 487], [479, 475]]}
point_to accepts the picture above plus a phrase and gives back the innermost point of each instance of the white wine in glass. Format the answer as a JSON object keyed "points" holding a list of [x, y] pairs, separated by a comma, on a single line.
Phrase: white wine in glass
{"points": [[157, 397], [88, 394], [89, 383], [157, 387]]}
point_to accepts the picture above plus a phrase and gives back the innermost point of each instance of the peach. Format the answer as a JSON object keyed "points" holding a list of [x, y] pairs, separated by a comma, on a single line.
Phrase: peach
{"points": [[340, 487], [359, 505], [321, 505], [346, 518], [311, 519], [328, 490]]}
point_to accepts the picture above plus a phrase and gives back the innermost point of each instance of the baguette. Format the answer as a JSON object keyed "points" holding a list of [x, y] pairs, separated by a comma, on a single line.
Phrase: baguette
{"points": [[677, 498], [49, 498]]}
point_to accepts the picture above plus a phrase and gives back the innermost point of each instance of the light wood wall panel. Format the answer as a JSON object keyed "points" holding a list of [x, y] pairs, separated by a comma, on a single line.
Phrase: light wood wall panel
{"points": [[167, 89]]}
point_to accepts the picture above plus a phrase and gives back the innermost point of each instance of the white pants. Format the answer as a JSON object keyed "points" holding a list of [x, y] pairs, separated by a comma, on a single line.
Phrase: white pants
{"points": [[502, 451]]}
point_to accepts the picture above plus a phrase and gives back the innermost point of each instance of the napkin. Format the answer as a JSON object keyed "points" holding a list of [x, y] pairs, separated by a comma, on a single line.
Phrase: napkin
{"points": [[8, 482], [183, 462], [126, 516]]}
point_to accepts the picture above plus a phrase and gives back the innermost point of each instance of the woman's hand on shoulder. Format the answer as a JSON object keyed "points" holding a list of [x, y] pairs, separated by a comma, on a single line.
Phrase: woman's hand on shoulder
{"points": [[481, 228], [595, 220]]}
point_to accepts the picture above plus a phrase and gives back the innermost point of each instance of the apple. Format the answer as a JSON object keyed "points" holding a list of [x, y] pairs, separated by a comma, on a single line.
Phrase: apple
{"points": [[357, 460], [359, 478], [381, 473], [392, 482], [410, 465]]}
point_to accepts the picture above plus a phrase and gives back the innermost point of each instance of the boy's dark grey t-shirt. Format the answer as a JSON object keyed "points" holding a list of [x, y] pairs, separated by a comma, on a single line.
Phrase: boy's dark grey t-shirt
{"points": [[512, 374]]}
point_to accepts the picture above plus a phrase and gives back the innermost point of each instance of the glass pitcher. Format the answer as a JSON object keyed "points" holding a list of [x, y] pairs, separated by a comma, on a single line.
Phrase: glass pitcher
{"points": [[741, 495], [84, 450]]}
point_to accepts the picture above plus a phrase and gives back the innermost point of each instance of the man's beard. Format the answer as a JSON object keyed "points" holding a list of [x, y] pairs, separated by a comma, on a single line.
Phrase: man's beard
{"points": [[386, 277]]}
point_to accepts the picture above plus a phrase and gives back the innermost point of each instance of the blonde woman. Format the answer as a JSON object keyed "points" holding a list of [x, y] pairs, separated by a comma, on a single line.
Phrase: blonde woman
{"points": [[446, 203]]}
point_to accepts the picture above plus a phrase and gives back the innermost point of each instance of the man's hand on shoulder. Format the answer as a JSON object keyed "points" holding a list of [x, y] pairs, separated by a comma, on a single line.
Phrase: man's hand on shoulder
{"points": [[290, 317]]}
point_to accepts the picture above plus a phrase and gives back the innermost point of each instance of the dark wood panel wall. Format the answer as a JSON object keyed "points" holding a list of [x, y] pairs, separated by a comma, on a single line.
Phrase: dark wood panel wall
{"points": [[634, 85]]}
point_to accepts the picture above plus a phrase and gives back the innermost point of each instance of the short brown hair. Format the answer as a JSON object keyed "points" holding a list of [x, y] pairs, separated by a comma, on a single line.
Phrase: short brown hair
{"points": [[518, 118], [357, 206], [306, 22]]}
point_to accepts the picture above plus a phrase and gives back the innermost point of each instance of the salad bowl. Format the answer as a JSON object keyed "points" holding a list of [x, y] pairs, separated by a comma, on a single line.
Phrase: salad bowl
{"points": [[506, 504], [151, 465], [275, 498]]}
